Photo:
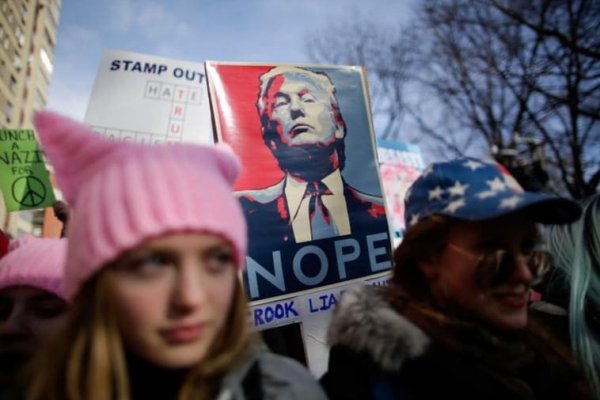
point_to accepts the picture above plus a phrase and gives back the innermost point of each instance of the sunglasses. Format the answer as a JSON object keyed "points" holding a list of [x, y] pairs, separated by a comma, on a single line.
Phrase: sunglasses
{"points": [[497, 266]]}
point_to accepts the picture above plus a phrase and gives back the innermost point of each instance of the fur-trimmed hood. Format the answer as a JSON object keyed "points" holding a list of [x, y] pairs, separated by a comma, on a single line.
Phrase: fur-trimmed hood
{"points": [[454, 359], [365, 323]]}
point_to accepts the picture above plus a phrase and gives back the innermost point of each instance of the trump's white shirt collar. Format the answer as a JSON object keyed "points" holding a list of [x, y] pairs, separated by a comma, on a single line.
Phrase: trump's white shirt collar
{"points": [[335, 203]]}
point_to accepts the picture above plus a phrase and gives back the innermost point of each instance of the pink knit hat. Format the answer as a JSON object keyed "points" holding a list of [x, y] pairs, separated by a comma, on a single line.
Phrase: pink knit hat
{"points": [[35, 262], [124, 193]]}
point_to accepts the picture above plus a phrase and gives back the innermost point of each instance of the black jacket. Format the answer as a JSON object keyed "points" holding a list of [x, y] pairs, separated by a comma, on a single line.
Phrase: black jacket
{"points": [[379, 353]]}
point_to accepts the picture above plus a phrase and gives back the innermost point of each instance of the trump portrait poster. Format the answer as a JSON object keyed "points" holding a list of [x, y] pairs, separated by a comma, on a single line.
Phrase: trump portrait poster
{"points": [[310, 186]]}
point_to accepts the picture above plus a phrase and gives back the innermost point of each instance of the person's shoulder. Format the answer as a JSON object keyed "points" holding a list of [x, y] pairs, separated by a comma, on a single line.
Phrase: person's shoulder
{"points": [[285, 378], [278, 365], [372, 203], [365, 323], [261, 196], [365, 197], [263, 374]]}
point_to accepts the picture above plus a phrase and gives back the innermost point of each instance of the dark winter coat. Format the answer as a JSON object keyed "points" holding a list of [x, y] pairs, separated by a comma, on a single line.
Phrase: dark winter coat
{"points": [[259, 375], [410, 351]]}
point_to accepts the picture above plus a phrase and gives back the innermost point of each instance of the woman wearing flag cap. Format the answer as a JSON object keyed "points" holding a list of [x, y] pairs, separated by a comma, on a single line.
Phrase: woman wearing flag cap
{"points": [[453, 323], [156, 244]]}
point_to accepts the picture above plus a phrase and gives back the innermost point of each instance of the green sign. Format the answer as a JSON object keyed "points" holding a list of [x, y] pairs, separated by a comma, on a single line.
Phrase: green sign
{"points": [[23, 176]]}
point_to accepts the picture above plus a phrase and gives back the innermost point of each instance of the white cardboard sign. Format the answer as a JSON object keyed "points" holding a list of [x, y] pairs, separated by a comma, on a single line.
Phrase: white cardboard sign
{"points": [[150, 99]]}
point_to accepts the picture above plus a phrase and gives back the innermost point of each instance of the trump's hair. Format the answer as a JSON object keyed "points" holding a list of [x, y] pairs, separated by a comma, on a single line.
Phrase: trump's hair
{"points": [[319, 79]]}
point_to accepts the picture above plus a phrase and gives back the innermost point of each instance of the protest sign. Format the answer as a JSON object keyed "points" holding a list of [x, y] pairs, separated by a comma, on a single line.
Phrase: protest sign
{"points": [[149, 99], [310, 185], [23, 176], [296, 308], [400, 165]]}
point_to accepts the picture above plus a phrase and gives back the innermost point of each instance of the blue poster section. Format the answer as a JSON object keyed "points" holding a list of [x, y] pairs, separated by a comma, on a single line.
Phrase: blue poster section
{"points": [[289, 267]]}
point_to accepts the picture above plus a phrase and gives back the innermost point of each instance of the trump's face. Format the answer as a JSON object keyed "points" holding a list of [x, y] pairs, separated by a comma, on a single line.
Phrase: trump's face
{"points": [[300, 111]]}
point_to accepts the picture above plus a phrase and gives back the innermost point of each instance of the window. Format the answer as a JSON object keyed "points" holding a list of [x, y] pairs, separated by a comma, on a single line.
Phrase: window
{"points": [[8, 109], [54, 13], [12, 84], [46, 61], [48, 38], [20, 37], [40, 100], [43, 78], [17, 62], [23, 10]]}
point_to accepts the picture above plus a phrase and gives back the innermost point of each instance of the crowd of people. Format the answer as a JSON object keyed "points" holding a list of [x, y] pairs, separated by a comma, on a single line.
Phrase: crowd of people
{"points": [[143, 298]]}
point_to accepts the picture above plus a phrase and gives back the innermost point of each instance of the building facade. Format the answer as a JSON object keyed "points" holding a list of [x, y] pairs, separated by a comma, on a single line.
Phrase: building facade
{"points": [[28, 30]]}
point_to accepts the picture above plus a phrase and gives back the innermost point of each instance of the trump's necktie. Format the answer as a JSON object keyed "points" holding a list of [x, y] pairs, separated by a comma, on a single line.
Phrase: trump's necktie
{"points": [[321, 223]]}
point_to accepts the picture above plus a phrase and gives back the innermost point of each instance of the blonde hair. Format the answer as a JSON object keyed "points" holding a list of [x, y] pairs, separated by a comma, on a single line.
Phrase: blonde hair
{"points": [[87, 360], [204, 381]]}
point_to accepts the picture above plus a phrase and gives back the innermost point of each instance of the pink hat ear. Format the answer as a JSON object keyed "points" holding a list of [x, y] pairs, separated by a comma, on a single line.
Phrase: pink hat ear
{"points": [[72, 148], [228, 162]]}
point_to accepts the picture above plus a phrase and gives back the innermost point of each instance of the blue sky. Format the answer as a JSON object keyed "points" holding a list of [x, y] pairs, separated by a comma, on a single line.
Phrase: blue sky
{"points": [[194, 30]]}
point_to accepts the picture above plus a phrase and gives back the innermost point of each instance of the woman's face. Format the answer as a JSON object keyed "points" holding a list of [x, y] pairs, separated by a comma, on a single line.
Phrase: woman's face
{"points": [[454, 276], [29, 317], [172, 297]]}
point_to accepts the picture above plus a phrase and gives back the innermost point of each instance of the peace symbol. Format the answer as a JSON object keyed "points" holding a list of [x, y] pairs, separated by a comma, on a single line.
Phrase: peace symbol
{"points": [[29, 191]]}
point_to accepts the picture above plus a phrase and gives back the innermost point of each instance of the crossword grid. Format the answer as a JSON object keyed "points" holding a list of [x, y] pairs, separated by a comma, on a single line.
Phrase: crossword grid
{"points": [[178, 96], [138, 137]]}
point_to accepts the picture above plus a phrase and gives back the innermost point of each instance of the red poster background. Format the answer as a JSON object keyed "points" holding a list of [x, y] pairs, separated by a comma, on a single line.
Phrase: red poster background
{"points": [[234, 90]]}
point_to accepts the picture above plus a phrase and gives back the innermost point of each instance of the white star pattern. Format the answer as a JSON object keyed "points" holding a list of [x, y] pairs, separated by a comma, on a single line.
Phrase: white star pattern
{"points": [[454, 205], [511, 202], [485, 194], [436, 193], [473, 165], [414, 219], [427, 171], [458, 189], [496, 185]]}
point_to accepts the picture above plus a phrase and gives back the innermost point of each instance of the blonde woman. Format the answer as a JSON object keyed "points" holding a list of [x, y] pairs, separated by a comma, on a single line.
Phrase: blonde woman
{"points": [[157, 241]]}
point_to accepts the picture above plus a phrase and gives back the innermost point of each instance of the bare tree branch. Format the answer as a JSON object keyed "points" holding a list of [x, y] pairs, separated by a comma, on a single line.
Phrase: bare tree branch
{"points": [[520, 76]]}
